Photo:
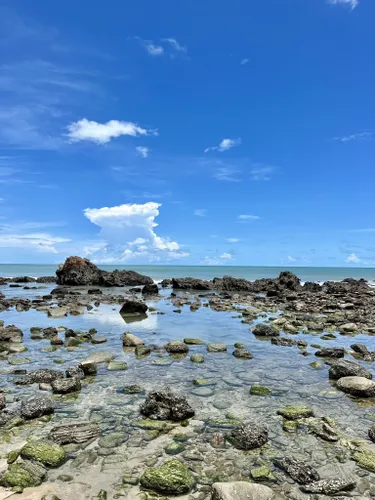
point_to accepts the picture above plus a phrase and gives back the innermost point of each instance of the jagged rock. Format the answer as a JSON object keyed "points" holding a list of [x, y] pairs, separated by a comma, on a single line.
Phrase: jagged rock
{"points": [[324, 430], [2, 401], [176, 347], [133, 307], [362, 350], [311, 286], [75, 372], [45, 452], [151, 289], [46, 279], [78, 433], [262, 330], [242, 354], [10, 333], [299, 471], [36, 407], [190, 284], [172, 478], [230, 284], [357, 386], [130, 340], [329, 486], [23, 279], [44, 376], [66, 386], [331, 352], [165, 405], [248, 436], [344, 368], [241, 490]]}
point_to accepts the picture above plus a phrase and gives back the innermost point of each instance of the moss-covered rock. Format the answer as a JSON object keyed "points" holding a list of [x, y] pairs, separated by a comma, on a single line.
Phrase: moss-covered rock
{"points": [[172, 478], [365, 459], [46, 452], [316, 365], [290, 426], [263, 473], [174, 448], [296, 412], [190, 341], [117, 366], [12, 456], [152, 425], [23, 475], [197, 358], [259, 390], [203, 382]]}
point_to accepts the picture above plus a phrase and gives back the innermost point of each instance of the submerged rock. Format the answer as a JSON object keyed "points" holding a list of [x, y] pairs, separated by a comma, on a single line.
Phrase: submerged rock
{"points": [[242, 354], [197, 358], [172, 478], [78, 433], [165, 405], [216, 347], [191, 341], [371, 433], [248, 436], [130, 340], [299, 471], [46, 452], [176, 347], [331, 352], [66, 386], [25, 474], [36, 407], [75, 372], [96, 358], [329, 486], [241, 490], [345, 368], [259, 390], [365, 459], [133, 307], [89, 367], [357, 386], [262, 330], [296, 412], [2, 401], [44, 376]]}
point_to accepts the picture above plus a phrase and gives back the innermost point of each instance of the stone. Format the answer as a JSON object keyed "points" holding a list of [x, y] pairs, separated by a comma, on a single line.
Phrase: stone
{"points": [[77, 433], [357, 386], [89, 367], [10, 333], [133, 307], [98, 339], [242, 354], [241, 490], [345, 368], [299, 471], [262, 473], [329, 486], [37, 407], [46, 452], [365, 459], [204, 392], [197, 358], [190, 284], [151, 289], [296, 412], [99, 357], [316, 365], [174, 448], [66, 386], [248, 436], [216, 347], [371, 433], [112, 440], [152, 425], [331, 352], [146, 350], [2, 401], [57, 341], [191, 341], [172, 478], [176, 347], [23, 474], [259, 390], [262, 330], [324, 430], [133, 389], [57, 312], [117, 366], [202, 382], [75, 372], [44, 376], [130, 340], [362, 350], [348, 328], [165, 405]]}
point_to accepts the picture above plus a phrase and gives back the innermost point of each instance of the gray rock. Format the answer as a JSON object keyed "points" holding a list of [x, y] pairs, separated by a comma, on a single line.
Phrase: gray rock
{"points": [[331, 352], [329, 486], [241, 490], [197, 358], [216, 347], [262, 330], [203, 392], [176, 347], [371, 433], [345, 368], [249, 436], [130, 340], [66, 386], [75, 372], [89, 367], [57, 312], [242, 354], [43, 376], [133, 307], [36, 407], [299, 471], [99, 357], [10, 333], [165, 405], [361, 349], [78, 433], [357, 386], [98, 339]]}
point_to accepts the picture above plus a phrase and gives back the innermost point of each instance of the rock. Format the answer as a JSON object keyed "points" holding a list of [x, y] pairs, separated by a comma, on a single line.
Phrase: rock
{"points": [[248, 436], [190, 284], [362, 350], [357, 386], [197, 358], [176, 347], [371, 433], [348, 328], [89, 367], [216, 347], [324, 431], [57, 312], [112, 440], [133, 307], [204, 392], [316, 365], [331, 352], [66, 386], [50, 333], [23, 474], [365, 459], [311, 286], [117, 366], [98, 339], [151, 289], [36, 407], [329, 486], [259, 390], [191, 341], [98, 357], [174, 448], [78, 271], [145, 350], [262, 473], [172, 478], [130, 340], [75, 372], [262, 330], [43, 376], [46, 279], [296, 412], [344, 368], [242, 354], [299, 471], [2, 401], [133, 389], [165, 405], [241, 490], [204, 382], [57, 341], [46, 452], [283, 341], [10, 333], [78, 433]]}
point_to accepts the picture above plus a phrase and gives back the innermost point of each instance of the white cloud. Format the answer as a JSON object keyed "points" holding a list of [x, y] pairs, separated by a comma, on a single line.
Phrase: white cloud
{"points": [[153, 50], [175, 45], [142, 151], [128, 233], [353, 259], [218, 261], [349, 3], [355, 137], [227, 174], [247, 218], [41, 242], [244, 61], [261, 173], [165, 46], [200, 212], [291, 259], [101, 133], [224, 145], [226, 256], [232, 240]]}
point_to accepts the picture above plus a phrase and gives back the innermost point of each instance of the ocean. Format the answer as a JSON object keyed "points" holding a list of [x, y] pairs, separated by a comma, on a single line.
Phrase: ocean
{"points": [[159, 272]]}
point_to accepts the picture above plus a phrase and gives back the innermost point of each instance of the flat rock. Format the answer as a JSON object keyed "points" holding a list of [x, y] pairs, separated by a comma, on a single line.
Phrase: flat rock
{"points": [[299, 471], [203, 392], [130, 340], [296, 412], [345, 368], [329, 486], [216, 347], [99, 357], [78, 433], [57, 312], [357, 386], [331, 352], [241, 490], [98, 339], [242, 354]]}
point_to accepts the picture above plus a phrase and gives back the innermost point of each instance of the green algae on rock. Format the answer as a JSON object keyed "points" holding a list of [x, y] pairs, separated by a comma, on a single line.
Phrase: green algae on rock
{"points": [[46, 452], [197, 358], [296, 412], [172, 478], [259, 390], [23, 475], [262, 473], [174, 448], [365, 459]]}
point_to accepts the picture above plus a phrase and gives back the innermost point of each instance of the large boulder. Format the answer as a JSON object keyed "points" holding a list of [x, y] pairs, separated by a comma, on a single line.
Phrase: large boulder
{"points": [[37, 407], [165, 405], [10, 333], [357, 386], [151, 289], [345, 368], [172, 478], [133, 307], [79, 271], [241, 490], [248, 436], [77, 433], [299, 471]]}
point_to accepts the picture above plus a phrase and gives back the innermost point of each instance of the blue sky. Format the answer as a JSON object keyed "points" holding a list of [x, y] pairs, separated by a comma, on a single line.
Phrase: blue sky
{"points": [[140, 132]]}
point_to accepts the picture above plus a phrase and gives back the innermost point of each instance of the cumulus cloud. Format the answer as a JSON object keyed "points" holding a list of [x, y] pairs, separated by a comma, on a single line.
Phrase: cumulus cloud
{"points": [[247, 218], [200, 212], [142, 151], [175, 45], [128, 232], [224, 145], [352, 4], [353, 259], [152, 49], [101, 133]]}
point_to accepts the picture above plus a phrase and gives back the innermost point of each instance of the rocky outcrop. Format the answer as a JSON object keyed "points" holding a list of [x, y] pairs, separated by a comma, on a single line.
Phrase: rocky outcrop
{"points": [[345, 368], [36, 407], [132, 307], [191, 284], [357, 386], [151, 289], [77, 433], [165, 405], [241, 490], [248, 436], [79, 271], [46, 279], [299, 471]]}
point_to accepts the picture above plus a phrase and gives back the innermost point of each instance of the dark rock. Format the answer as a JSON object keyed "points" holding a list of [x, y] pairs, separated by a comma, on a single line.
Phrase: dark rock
{"points": [[299, 471], [75, 372], [329, 486], [36, 407], [50, 332], [46, 279], [44, 376], [262, 330], [248, 436], [151, 289], [2, 401], [57, 341], [66, 386], [371, 433], [94, 291], [284, 341], [344, 368], [78, 433], [133, 307], [10, 333], [242, 354], [165, 405], [89, 367], [190, 284], [331, 352], [362, 350], [176, 347], [289, 281], [311, 286], [230, 284], [23, 279]]}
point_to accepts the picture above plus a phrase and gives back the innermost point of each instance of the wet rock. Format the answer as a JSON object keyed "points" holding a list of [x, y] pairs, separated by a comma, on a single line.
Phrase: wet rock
{"points": [[316, 365], [371, 433], [57, 312], [75, 372], [283, 341], [98, 339], [324, 430], [242, 354], [57, 341], [299, 471], [357, 386], [190, 284], [98, 357], [262, 473], [142, 351], [296, 412], [262, 330], [249, 436], [329, 486], [176, 347], [78, 433], [89, 367], [311, 286], [25, 474], [151, 289], [44, 376], [133, 307], [259, 390], [133, 389], [50, 332], [117, 366], [45, 452], [172, 478], [2, 401], [191, 341], [348, 328], [36, 407], [174, 448], [241, 490], [216, 347], [362, 350], [112, 440], [197, 358], [46, 279], [66, 386], [344, 368], [331, 352], [165, 405], [130, 340], [10, 333], [204, 392], [365, 459]]}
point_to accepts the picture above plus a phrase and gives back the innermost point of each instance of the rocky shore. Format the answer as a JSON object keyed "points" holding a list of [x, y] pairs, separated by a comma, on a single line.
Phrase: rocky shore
{"points": [[114, 387]]}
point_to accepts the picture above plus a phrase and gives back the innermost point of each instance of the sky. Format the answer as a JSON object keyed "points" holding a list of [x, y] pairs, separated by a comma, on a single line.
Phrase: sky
{"points": [[188, 133]]}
